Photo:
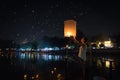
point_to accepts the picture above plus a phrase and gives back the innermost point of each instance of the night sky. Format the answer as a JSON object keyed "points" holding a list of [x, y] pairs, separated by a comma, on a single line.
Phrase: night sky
{"points": [[28, 20]]}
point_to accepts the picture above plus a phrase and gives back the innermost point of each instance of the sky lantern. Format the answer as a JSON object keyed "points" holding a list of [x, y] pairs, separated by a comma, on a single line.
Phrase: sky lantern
{"points": [[69, 28]]}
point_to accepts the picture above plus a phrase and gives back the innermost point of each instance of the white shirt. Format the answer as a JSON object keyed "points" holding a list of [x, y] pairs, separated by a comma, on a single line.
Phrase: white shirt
{"points": [[82, 52]]}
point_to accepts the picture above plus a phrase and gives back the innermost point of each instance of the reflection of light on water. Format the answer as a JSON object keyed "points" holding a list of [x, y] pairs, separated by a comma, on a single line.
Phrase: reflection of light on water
{"points": [[110, 63], [99, 63], [26, 56], [51, 57], [22, 56], [38, 56], [107, 64], [32, 56]]}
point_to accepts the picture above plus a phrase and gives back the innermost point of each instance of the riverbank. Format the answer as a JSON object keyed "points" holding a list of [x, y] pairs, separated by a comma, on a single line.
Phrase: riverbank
{"points": [[110, 50]]}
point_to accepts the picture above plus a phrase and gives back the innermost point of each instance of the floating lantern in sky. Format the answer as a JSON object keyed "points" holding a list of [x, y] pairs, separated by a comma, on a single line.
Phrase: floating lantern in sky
{"points": [[70, 28]]}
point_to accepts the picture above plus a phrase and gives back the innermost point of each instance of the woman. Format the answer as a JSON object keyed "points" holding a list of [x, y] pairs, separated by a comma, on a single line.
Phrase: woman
{"points": [[82, 48], [82, 54]]}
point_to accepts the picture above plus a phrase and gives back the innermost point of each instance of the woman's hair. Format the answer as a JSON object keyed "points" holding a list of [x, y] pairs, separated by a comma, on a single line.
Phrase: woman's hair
{"points": [[85, 39]]}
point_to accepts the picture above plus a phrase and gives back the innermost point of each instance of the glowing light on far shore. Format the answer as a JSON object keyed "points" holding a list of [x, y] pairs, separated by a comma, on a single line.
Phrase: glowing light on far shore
{"points": [[108, 44]]}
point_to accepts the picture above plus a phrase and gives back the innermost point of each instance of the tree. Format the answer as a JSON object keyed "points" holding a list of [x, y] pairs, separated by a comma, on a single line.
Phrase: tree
{"points": [[35, 45]]}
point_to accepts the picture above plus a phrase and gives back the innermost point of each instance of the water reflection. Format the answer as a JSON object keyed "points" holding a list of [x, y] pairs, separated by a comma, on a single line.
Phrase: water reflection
{"points": [[40, 56], [38, 65], [107, 66], [106, 62], [46, 66]]}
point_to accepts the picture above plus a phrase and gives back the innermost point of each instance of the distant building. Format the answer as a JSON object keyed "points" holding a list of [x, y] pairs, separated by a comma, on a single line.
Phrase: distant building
{"points": [[102, 44]]}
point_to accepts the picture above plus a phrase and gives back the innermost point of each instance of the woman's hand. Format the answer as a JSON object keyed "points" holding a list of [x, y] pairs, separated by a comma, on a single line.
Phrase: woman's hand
{"points": [[74, 40]]}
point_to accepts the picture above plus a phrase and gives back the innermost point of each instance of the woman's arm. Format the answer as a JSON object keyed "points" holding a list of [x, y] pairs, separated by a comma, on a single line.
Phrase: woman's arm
{"points": [[76, 41]]}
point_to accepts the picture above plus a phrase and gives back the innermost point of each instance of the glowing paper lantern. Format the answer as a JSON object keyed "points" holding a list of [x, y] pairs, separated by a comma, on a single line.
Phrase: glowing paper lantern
{"points": [[70, 28]]}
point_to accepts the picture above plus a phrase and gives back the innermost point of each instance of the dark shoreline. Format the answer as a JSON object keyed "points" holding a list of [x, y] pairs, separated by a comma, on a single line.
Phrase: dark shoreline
{"points": [[115, 50]]}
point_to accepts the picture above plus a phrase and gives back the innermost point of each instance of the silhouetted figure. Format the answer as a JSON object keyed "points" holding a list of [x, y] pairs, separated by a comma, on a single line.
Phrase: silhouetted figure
{"points": [[82, 53]]}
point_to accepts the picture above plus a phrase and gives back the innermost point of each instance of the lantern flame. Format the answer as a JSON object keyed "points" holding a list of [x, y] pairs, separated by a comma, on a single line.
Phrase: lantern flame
{"points": [[68, 34]]}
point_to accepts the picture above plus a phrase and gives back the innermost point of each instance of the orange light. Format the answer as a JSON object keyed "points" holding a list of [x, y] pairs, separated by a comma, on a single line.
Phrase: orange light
{"points": [[107, 63], [70, 28]]}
